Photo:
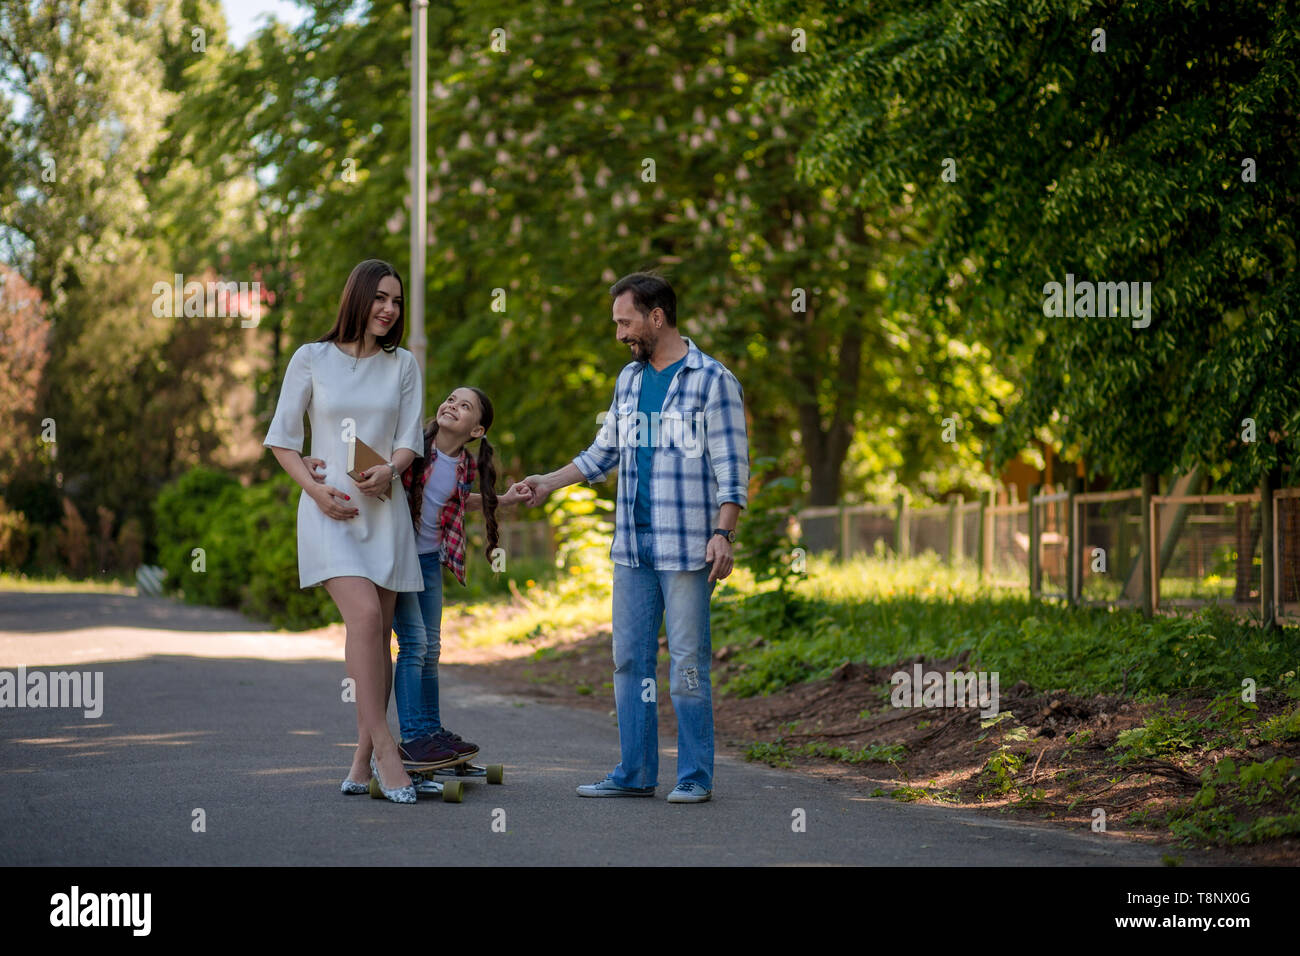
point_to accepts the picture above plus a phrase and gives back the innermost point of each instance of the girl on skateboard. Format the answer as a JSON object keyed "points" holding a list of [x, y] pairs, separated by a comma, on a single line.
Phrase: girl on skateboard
{"points": [[438, 494]]}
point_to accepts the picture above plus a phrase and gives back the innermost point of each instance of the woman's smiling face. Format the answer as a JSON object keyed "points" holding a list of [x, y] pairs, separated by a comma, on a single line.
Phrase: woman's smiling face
{"points": [[460, 414], [386, 307]]}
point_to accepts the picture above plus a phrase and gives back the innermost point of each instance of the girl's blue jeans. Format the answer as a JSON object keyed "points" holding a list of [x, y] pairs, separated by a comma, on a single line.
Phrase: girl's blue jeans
{"points": [[417, 619]]}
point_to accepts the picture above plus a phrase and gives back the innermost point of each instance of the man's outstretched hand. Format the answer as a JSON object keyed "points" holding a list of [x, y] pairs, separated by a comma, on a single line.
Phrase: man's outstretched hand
{"points": [[538, 490]]}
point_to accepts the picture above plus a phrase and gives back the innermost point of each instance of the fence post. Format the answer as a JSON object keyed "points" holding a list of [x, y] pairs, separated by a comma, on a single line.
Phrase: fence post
{"points": [[954, 530], [900, 525], [987, 501], [1267, 567], [1072, 557], [1034, 583], [844, 533], [1148, 572]]}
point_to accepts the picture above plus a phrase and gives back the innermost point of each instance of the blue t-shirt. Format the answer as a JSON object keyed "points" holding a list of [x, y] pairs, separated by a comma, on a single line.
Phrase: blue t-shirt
{"points": [[654, 389]]}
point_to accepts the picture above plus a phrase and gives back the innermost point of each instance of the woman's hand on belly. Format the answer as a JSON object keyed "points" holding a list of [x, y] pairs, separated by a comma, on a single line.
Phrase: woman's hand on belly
{"points": [[331, 501]]}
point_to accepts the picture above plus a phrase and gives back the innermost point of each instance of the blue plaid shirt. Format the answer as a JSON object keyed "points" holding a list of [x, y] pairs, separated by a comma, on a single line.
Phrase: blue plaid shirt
{"points": [[701, 459]]}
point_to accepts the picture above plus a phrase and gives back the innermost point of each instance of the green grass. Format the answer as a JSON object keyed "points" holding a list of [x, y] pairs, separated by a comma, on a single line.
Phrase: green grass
{"points": [[878, 612], [105, 585], [488, 623], [779, 753]]}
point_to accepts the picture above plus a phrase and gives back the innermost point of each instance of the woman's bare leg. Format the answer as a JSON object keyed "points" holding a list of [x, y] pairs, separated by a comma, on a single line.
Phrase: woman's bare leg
{"points": [[388, 605], [359, 602]]}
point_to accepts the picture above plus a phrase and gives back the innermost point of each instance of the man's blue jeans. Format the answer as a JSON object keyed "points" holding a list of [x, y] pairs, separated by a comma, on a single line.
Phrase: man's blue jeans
{"points": [[417, 619], [643, 597]]}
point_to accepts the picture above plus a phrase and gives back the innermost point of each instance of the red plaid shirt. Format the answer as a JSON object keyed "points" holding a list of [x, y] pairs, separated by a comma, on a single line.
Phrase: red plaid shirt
{"points": [[451, 522]]}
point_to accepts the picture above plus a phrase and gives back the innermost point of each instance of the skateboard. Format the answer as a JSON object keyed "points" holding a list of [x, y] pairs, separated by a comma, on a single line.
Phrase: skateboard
{"points": [[458, 775], [454, 774]]}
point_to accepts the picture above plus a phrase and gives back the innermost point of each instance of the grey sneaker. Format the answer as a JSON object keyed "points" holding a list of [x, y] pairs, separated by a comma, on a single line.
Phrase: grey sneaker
{"points": [[689, 793], [607, 788]]}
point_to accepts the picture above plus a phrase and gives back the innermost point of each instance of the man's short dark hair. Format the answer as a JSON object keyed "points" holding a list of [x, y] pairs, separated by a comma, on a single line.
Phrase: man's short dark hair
{"points": [[649, 292]]}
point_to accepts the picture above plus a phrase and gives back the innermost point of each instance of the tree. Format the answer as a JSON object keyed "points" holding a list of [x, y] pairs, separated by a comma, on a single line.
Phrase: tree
{"points": [[23, 354], [1136, 143], [87, 198]]}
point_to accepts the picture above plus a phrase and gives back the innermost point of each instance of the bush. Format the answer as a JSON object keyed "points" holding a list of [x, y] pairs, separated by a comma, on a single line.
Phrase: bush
{"points": [[15, 538], [183, 512], [44, 560], [74, 541], [130, 545], [582, 541], [766, 545], [249, 542], [266, 570]]}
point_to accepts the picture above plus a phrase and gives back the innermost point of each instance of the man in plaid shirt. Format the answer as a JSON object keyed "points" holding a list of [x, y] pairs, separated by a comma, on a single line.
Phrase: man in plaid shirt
{"points": [[676, 431]]}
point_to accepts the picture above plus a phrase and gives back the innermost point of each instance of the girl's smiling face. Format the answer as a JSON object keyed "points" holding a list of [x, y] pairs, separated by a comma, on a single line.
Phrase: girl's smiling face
{"points": [[460, 414], [386, 307]]}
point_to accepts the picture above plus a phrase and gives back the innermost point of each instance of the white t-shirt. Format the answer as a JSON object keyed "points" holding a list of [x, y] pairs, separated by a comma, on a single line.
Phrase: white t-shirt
{"points": [[441, 483]]}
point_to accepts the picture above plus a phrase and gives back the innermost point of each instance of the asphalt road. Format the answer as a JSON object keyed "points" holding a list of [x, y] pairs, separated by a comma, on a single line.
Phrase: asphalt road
{"points": [[203, 711]]}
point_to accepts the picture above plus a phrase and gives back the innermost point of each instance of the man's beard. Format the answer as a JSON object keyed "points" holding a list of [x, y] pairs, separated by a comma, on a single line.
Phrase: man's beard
{"points": [[641, 350]]}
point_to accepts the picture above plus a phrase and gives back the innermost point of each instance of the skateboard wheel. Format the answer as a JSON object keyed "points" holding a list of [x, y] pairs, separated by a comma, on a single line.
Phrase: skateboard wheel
{"points": [[452, 791], [375, 792], [495, 773]]}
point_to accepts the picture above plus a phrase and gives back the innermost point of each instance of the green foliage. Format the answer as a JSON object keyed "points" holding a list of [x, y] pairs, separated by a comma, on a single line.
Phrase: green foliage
{"points": [[1227, 785], [1172, 735], [779, 753], [1061, 169], [582, 532], [249, 540], [1283, 726], [15, 538], [1004, 763], [767, 547], [878, 612]]}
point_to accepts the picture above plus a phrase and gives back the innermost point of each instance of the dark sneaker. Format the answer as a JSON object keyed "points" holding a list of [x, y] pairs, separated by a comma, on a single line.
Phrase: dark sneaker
{"points": [[455, 742], [607, 788], [426, 750]]}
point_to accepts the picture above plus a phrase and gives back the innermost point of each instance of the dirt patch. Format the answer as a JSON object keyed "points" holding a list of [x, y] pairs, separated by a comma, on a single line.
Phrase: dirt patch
{"points": [[1048, 763]]}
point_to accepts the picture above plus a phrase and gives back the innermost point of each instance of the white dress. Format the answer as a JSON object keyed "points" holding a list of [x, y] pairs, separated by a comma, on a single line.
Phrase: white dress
{"points": [[384, 397]]}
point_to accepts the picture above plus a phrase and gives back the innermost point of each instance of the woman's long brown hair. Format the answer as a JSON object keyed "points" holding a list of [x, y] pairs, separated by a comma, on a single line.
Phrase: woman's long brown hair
{"points": [[487, 472], [358, 299]]}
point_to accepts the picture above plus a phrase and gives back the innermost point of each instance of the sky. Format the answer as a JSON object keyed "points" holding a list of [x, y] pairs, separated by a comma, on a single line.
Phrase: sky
{"points": [[246, 17]]}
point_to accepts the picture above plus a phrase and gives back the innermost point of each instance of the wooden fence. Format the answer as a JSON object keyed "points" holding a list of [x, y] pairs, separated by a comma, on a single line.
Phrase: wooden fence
{"points": [[1130, 547]]}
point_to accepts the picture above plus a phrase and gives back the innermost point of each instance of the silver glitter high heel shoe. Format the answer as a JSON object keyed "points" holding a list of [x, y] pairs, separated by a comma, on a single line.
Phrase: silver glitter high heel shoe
{"points": [[352, 788], [397, 794]]}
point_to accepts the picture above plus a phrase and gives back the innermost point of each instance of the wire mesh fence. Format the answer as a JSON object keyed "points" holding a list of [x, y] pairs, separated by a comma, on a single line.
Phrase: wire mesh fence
{"points": [[1286, 553], [820, 529], [969, 526], [1051, 527], [526, 540], [1006, 548], [1087, 547], [1207, 548], [927, 531], [1108, 549], [870, 527]]}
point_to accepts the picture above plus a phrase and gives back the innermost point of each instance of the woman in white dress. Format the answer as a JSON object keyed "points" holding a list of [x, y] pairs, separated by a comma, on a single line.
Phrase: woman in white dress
{"points": [[356, 381]]}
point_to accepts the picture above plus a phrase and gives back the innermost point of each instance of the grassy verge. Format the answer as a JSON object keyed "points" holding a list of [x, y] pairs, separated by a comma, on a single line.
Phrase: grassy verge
{"points": [[23, 582], [879, 612]]}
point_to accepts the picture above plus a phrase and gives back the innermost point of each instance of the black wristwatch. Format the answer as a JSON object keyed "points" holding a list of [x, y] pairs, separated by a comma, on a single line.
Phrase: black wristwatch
{"points": [[729, 535]]}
